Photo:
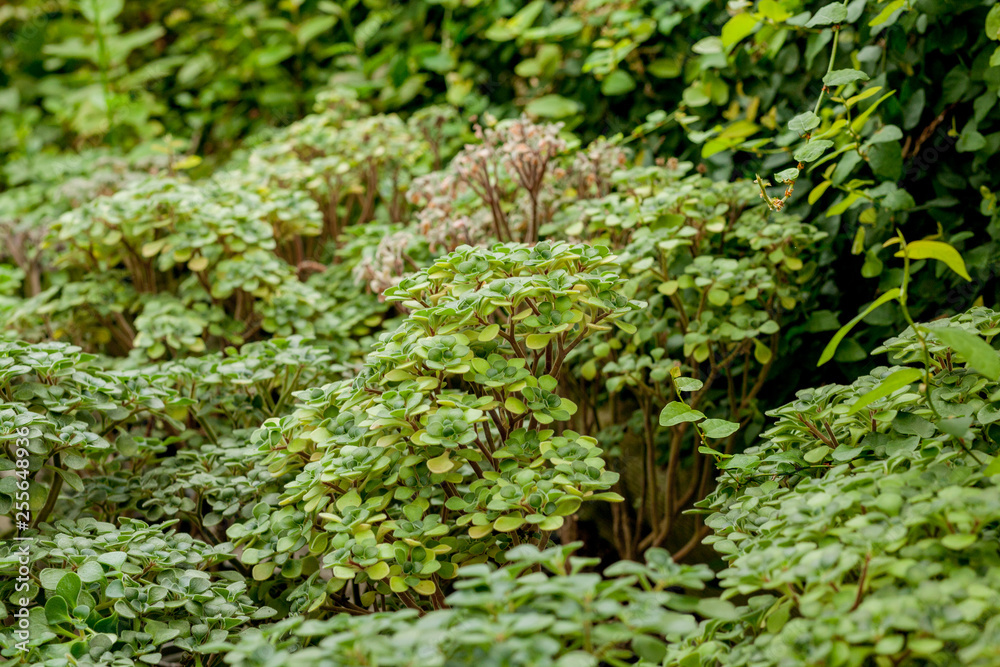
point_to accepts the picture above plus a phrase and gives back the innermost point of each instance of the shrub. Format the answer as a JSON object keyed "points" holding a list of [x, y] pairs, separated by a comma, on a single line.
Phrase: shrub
{"points": [[541, 608], [107, 454], [684, 239], [356, 165], [865, 146], [195, 70], [724, 282], [46, 188], [142, 443], [73, 415], [111, 595], [863, 526], [437, 455], [167, 267]]}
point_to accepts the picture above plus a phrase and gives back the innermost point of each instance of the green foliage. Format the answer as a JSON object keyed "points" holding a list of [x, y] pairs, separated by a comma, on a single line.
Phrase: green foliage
{"points": [[376, 376], [221, 234], [733, 93], [873, 148], [435, 457], [108, 452], [722, 279], [711, 264], [115, 595], [166, 266], [865, 532], [219, 70], [108, 70], [541, 608], [108, 436], [72, 413]]}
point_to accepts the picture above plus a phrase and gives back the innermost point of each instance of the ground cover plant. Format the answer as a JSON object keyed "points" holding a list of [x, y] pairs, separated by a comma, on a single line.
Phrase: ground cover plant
{"points": [[875, 542], [653, 332]]}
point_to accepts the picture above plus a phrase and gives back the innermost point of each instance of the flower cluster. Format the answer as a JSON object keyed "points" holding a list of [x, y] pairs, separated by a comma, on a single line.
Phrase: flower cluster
{"points": [[507, 186], [387, 265], [445, 218], [594, 165], [513, 157]]}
